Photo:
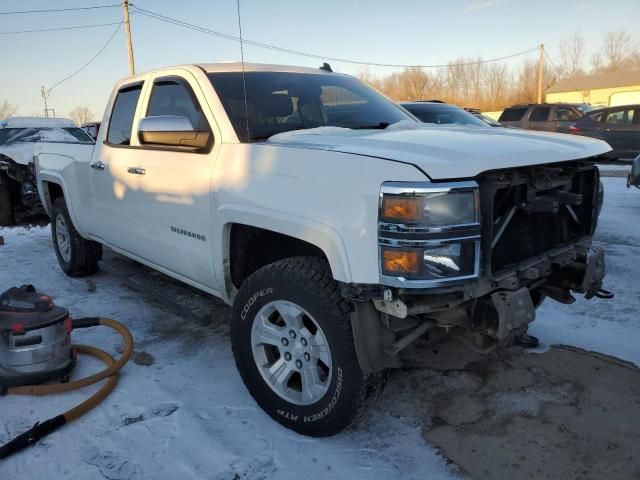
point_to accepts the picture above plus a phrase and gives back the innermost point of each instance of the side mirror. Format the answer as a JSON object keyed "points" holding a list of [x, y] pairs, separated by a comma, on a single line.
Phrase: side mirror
{"points": [[172, 131], [634, 176]]}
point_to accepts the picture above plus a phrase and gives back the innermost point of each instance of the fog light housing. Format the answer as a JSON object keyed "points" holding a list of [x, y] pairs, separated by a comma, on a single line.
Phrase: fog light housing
{"points": [[451, 260], [402, 262]]}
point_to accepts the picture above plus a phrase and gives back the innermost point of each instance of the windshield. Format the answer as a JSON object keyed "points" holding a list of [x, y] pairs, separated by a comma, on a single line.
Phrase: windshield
{"points": [[26, 135], [281, 101], [443, 114]]}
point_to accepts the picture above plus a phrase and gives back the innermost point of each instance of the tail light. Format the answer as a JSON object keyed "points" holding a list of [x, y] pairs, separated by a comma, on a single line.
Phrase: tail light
{"points": [[574, 129]]}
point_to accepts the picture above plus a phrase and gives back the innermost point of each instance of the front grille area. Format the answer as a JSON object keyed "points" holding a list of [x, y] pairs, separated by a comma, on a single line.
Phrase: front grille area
{"points": [[527, 212]]}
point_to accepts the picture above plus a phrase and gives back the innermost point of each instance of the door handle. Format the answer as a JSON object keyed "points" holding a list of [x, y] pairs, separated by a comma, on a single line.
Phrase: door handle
{"points": [[136, 170], [99, 165]]}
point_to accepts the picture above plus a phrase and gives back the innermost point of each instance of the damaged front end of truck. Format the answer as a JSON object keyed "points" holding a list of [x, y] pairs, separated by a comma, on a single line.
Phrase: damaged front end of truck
{"points": [[473, 259], [18, 191]]}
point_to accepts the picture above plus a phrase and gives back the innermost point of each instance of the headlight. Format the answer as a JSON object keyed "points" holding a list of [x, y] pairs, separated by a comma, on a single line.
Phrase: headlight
{"points": [[429, 233], [435, 209]]}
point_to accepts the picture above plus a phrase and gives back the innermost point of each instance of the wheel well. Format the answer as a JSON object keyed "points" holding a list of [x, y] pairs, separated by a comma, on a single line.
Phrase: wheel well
{"points": [[55, 191], [251, 248]]}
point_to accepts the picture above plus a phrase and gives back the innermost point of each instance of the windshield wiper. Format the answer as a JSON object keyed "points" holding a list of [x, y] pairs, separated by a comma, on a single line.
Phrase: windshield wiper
{"points": [[380, 126]]}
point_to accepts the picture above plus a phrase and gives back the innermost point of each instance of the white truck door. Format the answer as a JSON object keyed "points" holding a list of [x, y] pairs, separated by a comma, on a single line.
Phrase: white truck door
{"points": [[170, 187], [112, 189]]}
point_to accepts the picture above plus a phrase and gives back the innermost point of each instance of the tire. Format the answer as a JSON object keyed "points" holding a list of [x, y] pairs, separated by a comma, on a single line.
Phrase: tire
{"points": [[77, 257], [7, 217], [304, 289]]}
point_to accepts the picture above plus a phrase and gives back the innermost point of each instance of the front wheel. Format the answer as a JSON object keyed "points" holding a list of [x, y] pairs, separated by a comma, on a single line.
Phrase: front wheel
{"points": [[293, 345], [77, 257]]}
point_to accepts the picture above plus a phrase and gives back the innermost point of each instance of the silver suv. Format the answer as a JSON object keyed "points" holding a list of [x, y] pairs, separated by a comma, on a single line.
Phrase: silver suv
{"points": [[549, 117]]}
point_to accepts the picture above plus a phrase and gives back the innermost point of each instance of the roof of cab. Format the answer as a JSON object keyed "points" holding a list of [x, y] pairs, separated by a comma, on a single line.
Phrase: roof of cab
{"points": [[257, 67], [36, 122], [223, 67]]}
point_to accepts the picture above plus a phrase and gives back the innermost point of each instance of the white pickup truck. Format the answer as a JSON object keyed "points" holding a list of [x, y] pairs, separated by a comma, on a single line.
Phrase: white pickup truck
{"points": [[343, 232]]}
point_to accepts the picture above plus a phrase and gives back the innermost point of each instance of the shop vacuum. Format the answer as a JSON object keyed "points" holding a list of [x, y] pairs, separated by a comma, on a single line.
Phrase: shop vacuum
{"points": [[37, 357]]}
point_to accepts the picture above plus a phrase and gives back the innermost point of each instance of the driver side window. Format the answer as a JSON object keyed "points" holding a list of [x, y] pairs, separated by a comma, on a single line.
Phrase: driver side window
{"points": [[173, 97]]}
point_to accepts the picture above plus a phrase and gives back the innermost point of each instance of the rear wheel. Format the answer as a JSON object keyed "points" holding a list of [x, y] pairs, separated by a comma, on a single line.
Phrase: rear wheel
{"points": [[293, 345], [6, 206], [77, 257]]}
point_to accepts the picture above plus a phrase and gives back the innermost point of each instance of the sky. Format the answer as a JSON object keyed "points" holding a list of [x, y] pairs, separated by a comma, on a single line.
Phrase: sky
{"points": [[400, 32]]}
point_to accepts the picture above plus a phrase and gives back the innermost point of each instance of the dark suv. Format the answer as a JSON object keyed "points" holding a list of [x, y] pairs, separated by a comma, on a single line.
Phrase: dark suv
{"points": [[550, 117], [618, 126]]}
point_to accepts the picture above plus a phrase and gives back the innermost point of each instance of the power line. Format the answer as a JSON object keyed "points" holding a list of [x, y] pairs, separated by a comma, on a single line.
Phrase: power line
{"points": [[52, 10], [180, 23], [568, 80], [88, 63], [74, 27]]}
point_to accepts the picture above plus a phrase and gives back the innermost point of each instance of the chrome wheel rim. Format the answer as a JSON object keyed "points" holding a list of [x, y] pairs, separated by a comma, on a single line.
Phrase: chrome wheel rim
{"points": [[291, 352], [62, 238]]}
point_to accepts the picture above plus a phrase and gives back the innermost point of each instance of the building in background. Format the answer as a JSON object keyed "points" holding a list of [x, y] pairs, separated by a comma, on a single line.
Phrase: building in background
{"points": [[600, 90]]}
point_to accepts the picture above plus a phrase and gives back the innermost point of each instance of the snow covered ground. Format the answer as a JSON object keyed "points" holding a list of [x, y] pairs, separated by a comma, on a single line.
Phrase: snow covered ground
{"points": [[188, 414]]}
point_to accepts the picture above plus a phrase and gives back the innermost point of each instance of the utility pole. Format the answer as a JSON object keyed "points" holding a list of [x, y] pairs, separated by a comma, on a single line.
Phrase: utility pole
{"points": [[127, 34], [45, 95], [540, 72]]}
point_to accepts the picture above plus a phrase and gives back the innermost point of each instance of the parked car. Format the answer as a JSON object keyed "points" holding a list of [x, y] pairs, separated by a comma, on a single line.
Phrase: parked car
{"points": [[339, 227], [618, 126], [491, 121], [550, 117], [92, 128], [18, 136], [442, 113], [478, 113]]}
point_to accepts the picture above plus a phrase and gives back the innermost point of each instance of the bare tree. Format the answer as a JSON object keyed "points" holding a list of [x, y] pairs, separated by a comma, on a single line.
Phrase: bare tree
{"points": [[411, 84], [414, 81], [80, 115], [619, 52], [369, 78], [496, 84], [571, 60], [7, 109]]}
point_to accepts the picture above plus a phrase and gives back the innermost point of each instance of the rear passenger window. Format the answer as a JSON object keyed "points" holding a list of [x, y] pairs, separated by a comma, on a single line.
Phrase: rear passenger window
{"points": [[565, 114], [596, 117], [121, 122], [512, 114], [623, 117], [173, 97], [540, 114]]}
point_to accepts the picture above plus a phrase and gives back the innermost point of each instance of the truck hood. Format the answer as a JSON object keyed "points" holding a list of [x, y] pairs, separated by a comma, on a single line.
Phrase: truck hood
{"points": [[445, 152], [20, 153]]}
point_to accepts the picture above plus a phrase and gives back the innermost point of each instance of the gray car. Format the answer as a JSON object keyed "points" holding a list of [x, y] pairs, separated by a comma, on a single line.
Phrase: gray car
{"points": [[442, 113], [548, 117], [618, 126]]}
